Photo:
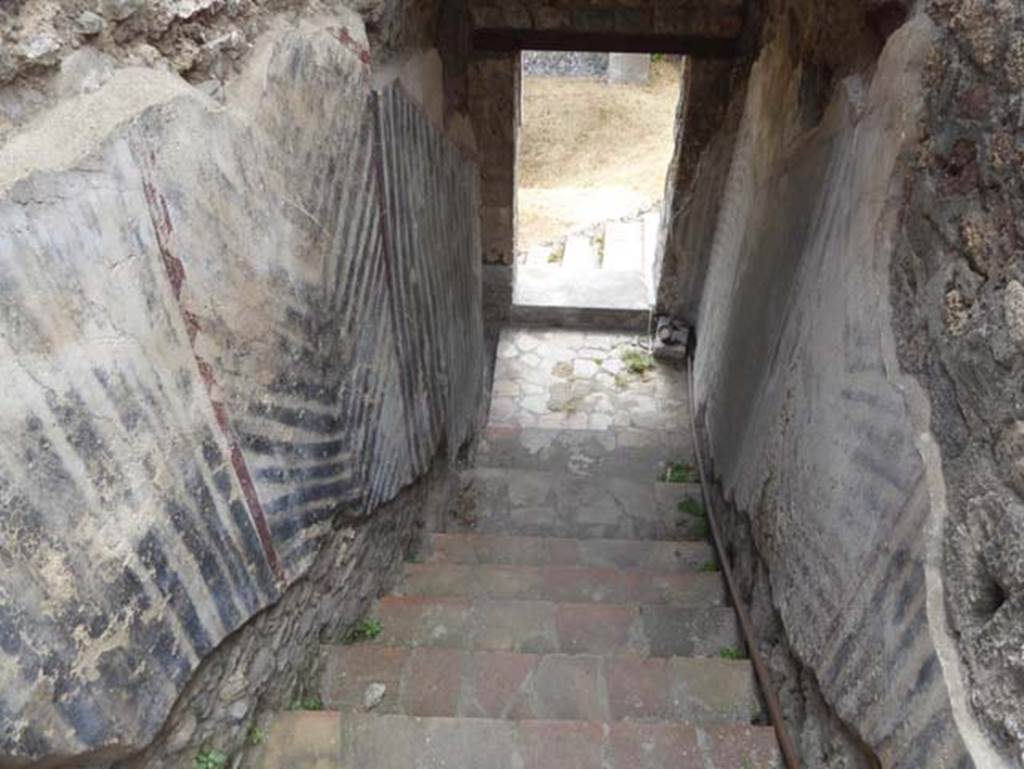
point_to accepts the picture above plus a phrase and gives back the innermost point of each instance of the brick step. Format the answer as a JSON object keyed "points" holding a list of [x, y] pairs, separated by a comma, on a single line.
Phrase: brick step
{"points": [[332, 740], [562, 504], [561, 584], [451, 682], [545, 627], [623, 452], [651, 555]]}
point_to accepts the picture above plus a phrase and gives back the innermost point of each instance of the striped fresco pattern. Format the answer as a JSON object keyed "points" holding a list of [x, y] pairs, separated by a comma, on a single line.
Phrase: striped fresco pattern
{"points": [[280, 326], [432, 261]]}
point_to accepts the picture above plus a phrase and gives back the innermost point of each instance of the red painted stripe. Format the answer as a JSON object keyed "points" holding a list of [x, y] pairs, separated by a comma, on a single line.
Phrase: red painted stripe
{"points": [[175, 269]]}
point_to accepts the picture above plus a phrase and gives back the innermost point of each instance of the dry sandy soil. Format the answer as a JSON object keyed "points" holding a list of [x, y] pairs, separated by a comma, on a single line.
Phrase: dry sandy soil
{"points": [[590, 151]]}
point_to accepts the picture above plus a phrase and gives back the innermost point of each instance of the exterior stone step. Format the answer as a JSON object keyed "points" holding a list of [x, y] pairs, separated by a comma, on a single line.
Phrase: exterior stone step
{"points": [[624, 247], [547, 627], [561, 584], [332, 740], [580, 254], [553, 296], [652, 228], [536, 312], [482, 684], [652, 555], [536, 503], [625, 453]]}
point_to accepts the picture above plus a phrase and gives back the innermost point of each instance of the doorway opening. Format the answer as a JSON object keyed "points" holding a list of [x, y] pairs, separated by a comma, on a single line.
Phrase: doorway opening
{"points": [[596, 139]]}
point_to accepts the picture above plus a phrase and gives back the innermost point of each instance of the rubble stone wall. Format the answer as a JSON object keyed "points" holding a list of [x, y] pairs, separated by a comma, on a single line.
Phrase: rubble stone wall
{"points": [[858, 368]]}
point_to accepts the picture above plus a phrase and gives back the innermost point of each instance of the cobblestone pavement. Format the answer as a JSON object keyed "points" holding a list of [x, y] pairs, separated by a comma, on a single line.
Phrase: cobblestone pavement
{"points": [[584, 381]]}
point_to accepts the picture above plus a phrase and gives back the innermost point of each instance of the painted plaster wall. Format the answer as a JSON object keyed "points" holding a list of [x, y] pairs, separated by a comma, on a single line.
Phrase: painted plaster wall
{"points": [[227, 330], [817, 433]]}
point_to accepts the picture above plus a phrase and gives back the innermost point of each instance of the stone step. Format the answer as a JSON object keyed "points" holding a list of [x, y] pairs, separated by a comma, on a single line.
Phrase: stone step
{"points": [[333, 740], [540, 255], [652, 229], [651, 555], [621, 452], [581, 254], [537, 311], [561, 584], [428, 681], [546, 627], [536, 503], [552, 296], [623, 247]]}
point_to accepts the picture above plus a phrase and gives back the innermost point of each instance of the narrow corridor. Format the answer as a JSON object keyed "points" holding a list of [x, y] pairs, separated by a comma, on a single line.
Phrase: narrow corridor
{"points": [[569, 611]]}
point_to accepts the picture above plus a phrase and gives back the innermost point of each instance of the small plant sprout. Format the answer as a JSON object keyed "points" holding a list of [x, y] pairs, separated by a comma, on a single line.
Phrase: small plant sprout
{"points": [[255, 736], [307, 702], [677, 472], [730, 653], [366, 630], [209, 758], [637, 361], [691, 506], [709, 566]]}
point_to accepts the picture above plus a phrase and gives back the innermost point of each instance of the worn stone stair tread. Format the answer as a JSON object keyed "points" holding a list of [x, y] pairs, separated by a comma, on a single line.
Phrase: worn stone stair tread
{"points": [[538, 255], [652, 225], [617, 319], [427, 681], [549, 285], [652, 555], [625, 453], [550, 627], [335, 740], [623, 247], [580, 255], [563, 584], [544, 503]]}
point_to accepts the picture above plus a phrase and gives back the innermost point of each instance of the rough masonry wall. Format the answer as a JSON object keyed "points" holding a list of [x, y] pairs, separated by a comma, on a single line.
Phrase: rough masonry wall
{"points": [[958, 288], [707, 120], [228, 328], [646, 18], [871, 533]]}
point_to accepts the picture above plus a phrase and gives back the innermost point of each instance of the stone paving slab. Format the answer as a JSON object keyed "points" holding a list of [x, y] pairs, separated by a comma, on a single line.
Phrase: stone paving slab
{"points": [[430, 681], [652, 555], [543, 627], [561, 584], [626, 453], [560, 379], [404, 742], [560, 504]]}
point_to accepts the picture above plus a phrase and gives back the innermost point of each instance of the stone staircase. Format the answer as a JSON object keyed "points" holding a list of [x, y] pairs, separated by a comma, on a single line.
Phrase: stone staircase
{"points": [[568, 614], [595, 281]]}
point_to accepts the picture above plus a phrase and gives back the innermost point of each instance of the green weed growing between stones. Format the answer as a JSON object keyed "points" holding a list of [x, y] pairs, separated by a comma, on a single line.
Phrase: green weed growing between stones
{"points": [[211, 759], [366, 630], [255, 736], [677, 472], [557, 254], [307, 702], [730, 653], [637, 361], [691, 506], [709, 566]]}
